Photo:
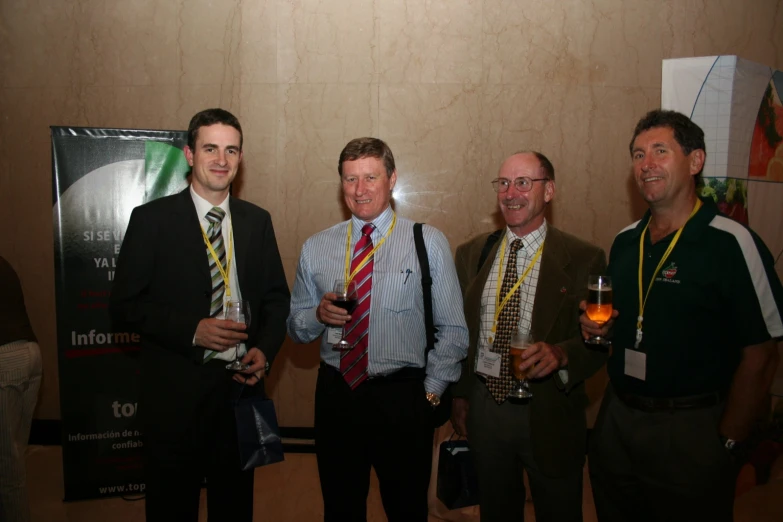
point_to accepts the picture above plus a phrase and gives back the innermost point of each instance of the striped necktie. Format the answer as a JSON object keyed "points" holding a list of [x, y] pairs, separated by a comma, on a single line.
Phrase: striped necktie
{"points": [[508, 322], [215, 233], [353, 362]]}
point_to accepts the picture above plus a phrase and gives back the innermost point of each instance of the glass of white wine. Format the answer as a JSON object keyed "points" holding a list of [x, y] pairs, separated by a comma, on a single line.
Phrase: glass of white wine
{"points": [[239, 312]]}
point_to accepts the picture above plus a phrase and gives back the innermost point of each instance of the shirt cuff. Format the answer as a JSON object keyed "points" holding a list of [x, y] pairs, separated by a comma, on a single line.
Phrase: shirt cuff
{"points": [[313, 320], [436, 386], [563, 374]]}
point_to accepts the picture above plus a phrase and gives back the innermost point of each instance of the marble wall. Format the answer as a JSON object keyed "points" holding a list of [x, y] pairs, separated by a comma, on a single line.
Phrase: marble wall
{"points": [[452, 85]]}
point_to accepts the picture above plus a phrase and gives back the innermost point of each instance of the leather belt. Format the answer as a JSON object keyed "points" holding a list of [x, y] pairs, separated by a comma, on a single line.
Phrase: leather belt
{"points": [[652, 404]]}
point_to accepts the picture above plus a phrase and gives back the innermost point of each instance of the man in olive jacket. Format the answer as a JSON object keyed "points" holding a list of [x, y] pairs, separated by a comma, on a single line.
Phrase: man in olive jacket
{"points": [[546, 434]]}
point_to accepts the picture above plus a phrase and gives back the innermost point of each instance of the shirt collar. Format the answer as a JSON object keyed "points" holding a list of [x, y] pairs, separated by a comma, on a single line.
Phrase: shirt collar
{"points": [[531, 241], [382, 224], [203, 206], [695, 225], [700, 220]]}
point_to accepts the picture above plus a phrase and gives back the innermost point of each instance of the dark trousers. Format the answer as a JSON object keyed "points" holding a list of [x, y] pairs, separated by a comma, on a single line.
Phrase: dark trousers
{"points": [[386, 424], [175, 469], [660, 466], [499, 438]]}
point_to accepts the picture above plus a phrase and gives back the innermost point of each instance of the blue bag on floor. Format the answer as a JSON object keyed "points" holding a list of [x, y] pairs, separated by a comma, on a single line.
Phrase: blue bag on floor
{"points": [[457, 480], [258, 435]]}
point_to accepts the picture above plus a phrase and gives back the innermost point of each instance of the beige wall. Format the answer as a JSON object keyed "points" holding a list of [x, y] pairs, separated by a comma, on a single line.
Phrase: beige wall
{"points": [[452, 85]]}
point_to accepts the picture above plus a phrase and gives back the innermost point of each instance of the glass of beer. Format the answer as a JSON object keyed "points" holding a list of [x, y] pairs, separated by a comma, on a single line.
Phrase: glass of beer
{"points": [[599, 304], [520, 342], [347, 300]]}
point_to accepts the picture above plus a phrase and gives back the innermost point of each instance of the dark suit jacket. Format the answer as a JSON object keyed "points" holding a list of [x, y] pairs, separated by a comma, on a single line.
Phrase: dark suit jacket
{"points": [[162, 289], [557, 410]]}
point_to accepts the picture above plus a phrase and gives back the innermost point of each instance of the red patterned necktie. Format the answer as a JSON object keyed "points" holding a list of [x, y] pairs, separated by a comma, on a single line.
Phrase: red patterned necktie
{"points": [[353, 362], [508, 322]]}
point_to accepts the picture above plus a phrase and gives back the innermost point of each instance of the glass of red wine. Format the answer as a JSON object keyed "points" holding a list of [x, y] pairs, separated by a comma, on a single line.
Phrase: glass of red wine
{"points": [[347, 300]]}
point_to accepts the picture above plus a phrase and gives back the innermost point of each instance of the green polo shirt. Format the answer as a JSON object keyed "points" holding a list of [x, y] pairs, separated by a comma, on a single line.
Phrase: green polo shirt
{"points": [[716, 293]]}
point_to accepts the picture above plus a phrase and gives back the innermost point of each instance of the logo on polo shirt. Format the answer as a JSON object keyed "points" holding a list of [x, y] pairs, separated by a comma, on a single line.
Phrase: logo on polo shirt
{"points": [[668, 273]]}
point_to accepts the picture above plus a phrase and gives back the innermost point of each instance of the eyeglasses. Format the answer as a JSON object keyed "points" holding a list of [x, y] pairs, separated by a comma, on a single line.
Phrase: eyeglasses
{"points": [[521, 184]]}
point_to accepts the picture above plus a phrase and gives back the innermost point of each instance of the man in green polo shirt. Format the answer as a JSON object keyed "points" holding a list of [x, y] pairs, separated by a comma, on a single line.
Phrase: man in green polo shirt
{"points": [[697, 315]]}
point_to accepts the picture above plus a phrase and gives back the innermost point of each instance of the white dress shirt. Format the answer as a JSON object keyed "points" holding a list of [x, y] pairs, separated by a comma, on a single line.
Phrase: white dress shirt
{"points": [[202, 208]]}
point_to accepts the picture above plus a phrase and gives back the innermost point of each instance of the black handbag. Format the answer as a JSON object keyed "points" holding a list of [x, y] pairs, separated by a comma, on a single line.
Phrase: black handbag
{"points": [[258, 435], [442, 412], [457, 481]]}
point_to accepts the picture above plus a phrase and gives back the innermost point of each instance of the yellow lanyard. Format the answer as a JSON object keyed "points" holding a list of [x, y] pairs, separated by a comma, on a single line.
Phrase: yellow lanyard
{"points": [[498, 303], [643, 301], [223, 271], [350, 275]]}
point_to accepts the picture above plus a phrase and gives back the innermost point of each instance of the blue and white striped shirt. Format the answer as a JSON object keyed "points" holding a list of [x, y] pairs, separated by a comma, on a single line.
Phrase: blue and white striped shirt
{"points": [[397, 332]]}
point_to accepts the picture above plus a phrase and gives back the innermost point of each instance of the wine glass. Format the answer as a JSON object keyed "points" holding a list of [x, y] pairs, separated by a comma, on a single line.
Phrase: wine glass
{"points": [[520, 341], [599, 304], [347, 300], [237, 311]]}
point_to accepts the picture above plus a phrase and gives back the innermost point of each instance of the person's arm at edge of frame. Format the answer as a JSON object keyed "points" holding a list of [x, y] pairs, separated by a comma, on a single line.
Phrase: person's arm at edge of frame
{"points": [[749, 388], [460, 404], [753, 376], [302, 324], [445, 361]]}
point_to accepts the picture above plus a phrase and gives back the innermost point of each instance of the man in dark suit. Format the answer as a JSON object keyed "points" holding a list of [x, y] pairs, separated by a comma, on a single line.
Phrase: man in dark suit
{"points": [[182, 258], [543, 279]]}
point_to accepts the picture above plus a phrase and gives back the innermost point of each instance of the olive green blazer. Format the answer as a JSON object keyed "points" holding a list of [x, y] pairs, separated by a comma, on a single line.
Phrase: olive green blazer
{"points": [[557, 409]]}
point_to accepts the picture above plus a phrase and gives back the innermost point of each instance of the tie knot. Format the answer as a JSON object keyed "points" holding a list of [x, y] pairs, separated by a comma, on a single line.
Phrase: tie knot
{"points": [[516, 245], [367, 229], [216, 215]]}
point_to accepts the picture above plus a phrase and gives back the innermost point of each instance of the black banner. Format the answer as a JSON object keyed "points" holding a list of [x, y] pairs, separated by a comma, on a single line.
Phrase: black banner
{"points": [[99, 176]]}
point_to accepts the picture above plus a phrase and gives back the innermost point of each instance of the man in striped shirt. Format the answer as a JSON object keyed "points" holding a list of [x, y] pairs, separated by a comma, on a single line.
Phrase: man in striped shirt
{"points": [[697, 315], [374, 401]]}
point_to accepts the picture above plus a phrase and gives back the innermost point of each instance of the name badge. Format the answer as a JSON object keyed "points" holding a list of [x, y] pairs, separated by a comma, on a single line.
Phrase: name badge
{"points": [[635, 364], [488, 363], [333, 334]]}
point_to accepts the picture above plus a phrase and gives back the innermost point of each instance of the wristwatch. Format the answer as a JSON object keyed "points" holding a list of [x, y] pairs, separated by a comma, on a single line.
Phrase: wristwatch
{"points": [[434, 399], [266, 367]]}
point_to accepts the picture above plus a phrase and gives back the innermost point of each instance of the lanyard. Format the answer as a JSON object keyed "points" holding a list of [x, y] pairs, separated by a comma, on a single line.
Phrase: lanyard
{"points": [[223, 271], [643, 301], [350, 275], [498, 303]]}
